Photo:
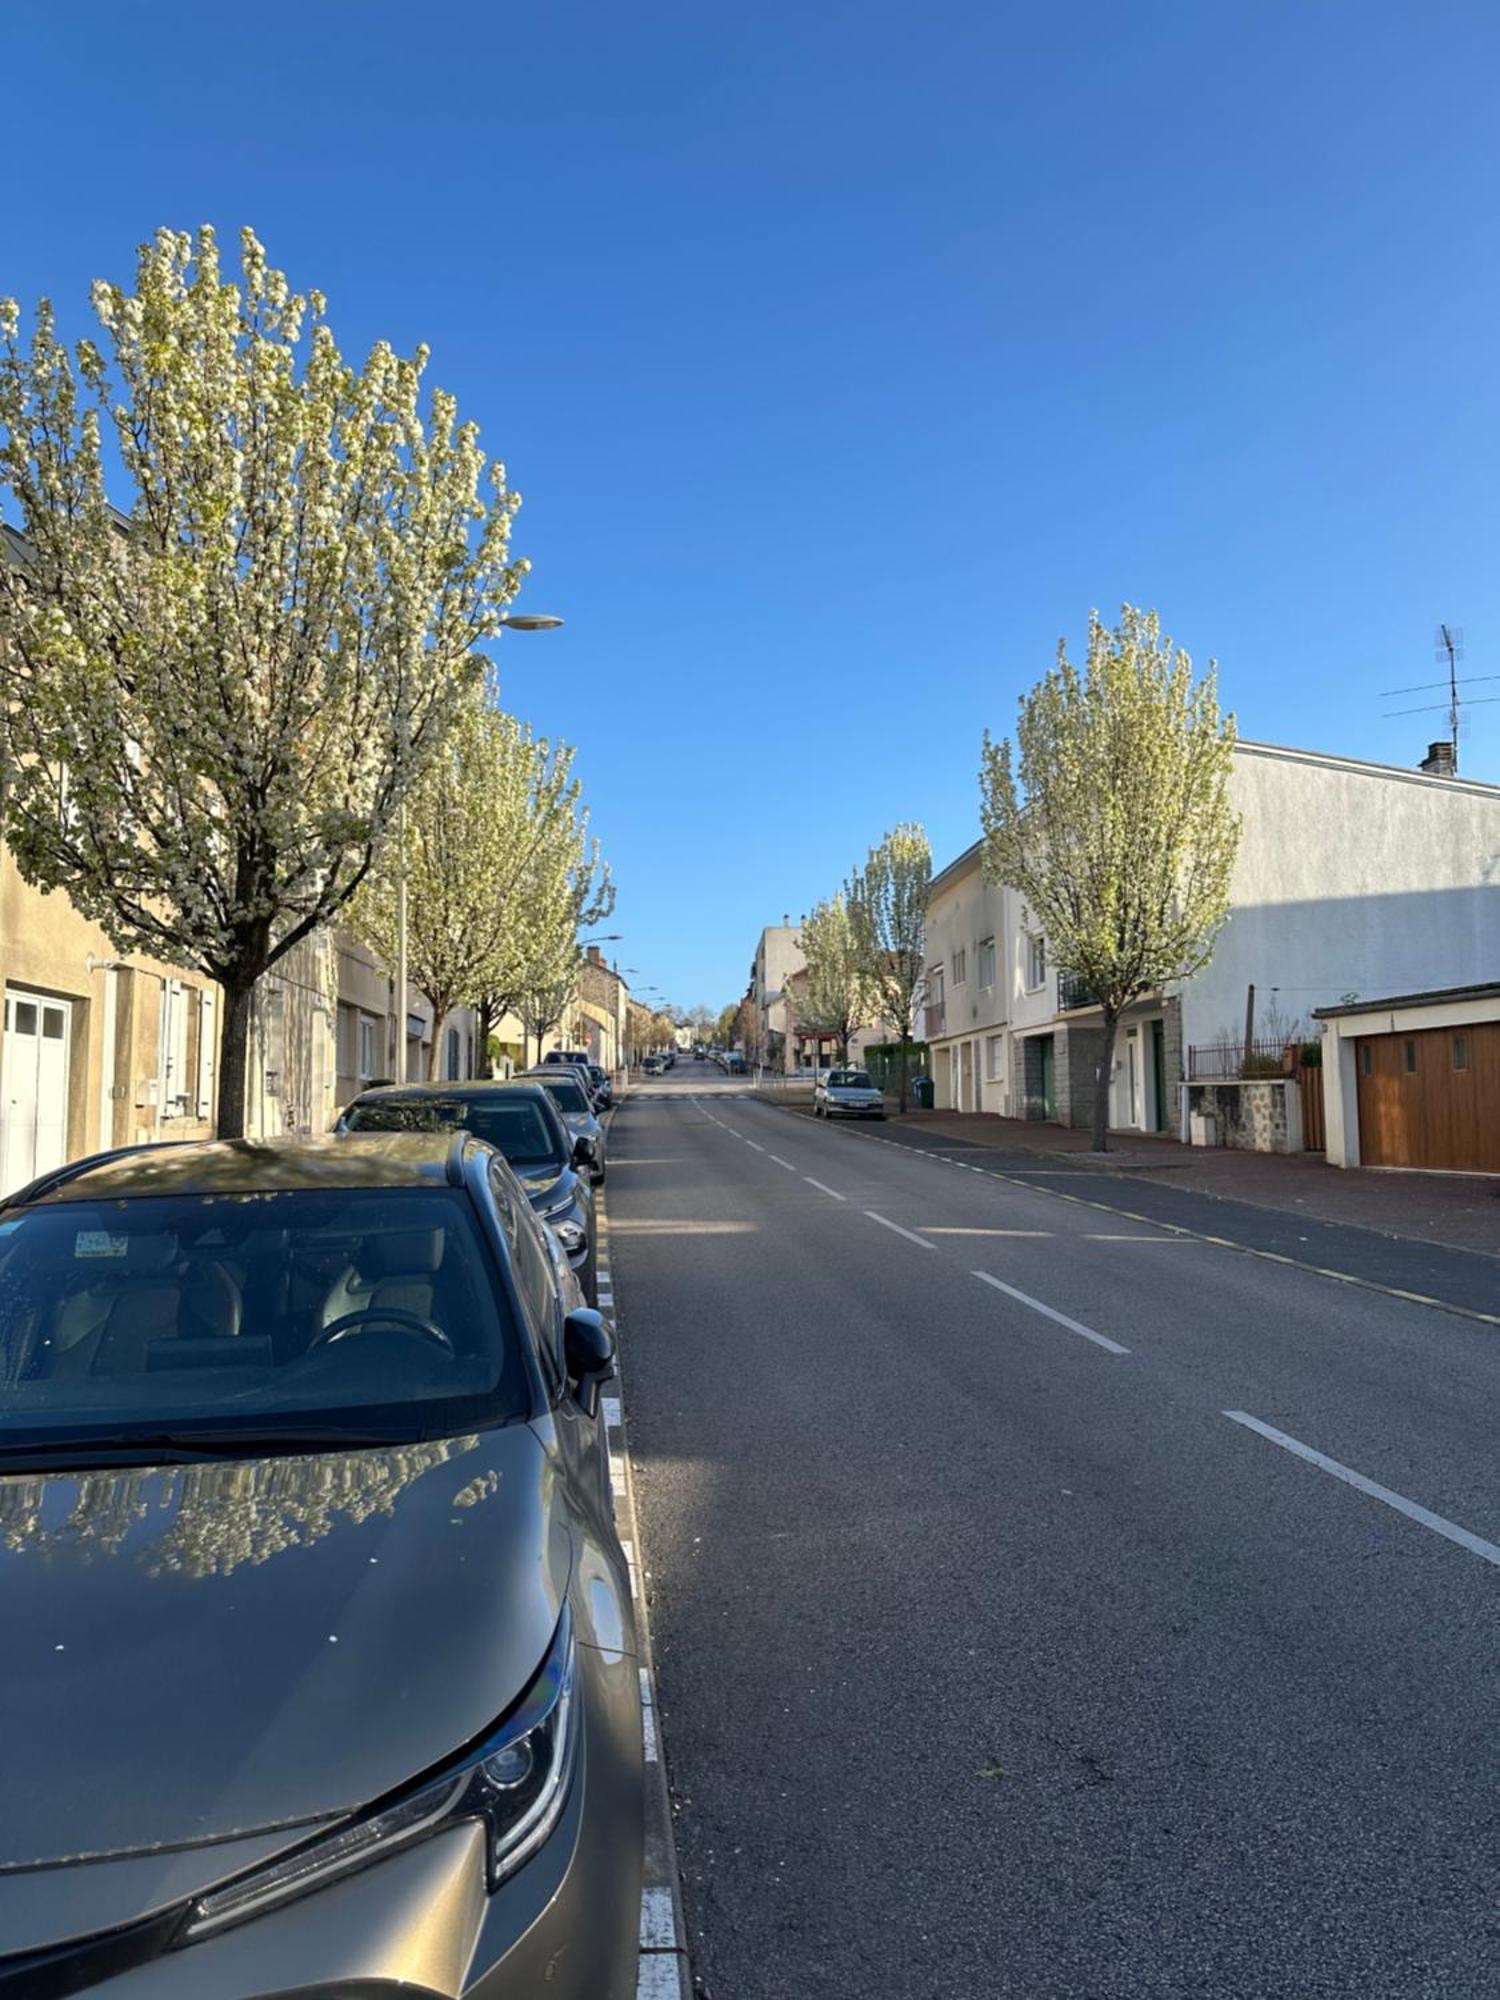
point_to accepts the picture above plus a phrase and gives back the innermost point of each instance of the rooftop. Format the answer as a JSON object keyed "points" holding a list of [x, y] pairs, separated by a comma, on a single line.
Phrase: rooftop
{"points": [[1438, 996]]}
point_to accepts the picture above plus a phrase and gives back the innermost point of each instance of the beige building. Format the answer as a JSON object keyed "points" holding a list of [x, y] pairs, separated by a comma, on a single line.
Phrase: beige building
{"points": [[98, 1049]]}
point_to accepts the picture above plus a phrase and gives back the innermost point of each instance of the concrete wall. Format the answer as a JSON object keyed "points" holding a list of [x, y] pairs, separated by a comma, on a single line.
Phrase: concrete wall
{"points": [[1259, 1115]]}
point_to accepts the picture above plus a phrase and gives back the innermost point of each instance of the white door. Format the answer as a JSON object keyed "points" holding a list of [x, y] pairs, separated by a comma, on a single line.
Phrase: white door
{"points": [[1133, 1047], [34, 1085]]}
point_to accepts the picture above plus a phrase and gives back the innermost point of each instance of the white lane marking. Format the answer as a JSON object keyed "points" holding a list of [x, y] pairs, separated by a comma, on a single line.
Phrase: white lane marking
{"points": [[648, 1735], [659, 1977], [658, 1930], [1101, 1236], [823, 1188], [920, 1241], [1475, 1544], [755, 1146], [776, 1157], [1051, 1312], [944, 1229], [611, 1412]]}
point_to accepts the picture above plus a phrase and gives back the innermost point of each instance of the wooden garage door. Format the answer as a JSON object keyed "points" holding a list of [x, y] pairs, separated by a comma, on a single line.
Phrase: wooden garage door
{"points": [[1431, 1099]]}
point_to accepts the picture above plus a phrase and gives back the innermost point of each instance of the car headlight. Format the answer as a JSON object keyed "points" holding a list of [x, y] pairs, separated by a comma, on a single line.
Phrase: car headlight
{"points": [[516, 1782], [571, 1235]]}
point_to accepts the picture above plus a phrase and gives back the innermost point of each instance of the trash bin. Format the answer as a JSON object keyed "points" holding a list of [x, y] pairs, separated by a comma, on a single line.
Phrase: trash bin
{"points": [[921, 1092]]}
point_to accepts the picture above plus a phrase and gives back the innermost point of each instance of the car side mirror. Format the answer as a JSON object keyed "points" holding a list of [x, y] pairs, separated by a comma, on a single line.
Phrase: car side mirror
{"points": [[583, 1150], [589, 1352]]}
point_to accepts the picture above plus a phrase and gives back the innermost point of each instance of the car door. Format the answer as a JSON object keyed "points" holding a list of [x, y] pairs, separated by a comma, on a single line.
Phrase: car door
{"points": [[548, 1292]]}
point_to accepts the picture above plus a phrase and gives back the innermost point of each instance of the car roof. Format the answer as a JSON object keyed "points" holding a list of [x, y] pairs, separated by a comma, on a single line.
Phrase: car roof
{"points": [[471, 1090], [257, 1166]]}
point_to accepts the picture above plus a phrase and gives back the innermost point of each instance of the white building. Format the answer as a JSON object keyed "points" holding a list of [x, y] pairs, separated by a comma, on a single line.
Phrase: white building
{"points": [[1352, 879]]}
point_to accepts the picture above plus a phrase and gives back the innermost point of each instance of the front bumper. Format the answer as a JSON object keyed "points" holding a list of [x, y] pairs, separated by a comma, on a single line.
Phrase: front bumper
{"points": [[424, 1922]]}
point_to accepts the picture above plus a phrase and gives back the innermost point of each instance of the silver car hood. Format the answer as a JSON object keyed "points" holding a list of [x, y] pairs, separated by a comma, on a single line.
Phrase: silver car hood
{"points": [[197, 1653]]}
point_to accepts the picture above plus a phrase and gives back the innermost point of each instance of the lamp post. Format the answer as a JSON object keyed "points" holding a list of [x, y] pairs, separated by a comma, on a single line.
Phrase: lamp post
{"points": [[513, 621]]}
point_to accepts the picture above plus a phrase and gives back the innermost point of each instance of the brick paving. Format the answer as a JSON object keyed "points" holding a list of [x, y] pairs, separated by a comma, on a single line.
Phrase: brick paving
{"points": [[1462, 1210]]}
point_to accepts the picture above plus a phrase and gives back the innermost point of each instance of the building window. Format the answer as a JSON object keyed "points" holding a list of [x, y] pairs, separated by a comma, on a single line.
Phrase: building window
{"points": [[1460, 1052], [369, 1050], [994, 1058], [987, 961], [1411, 1058], [1366, 1059], [960, 966], [454, 1054], [1036, 961]]}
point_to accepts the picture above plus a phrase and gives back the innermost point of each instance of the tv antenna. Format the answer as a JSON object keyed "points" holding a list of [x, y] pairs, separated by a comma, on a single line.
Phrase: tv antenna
{"points": [[1448, 650]]}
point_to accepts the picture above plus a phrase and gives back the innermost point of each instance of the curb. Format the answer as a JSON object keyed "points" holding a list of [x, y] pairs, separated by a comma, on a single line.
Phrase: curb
{"points": [[664, 1972]]}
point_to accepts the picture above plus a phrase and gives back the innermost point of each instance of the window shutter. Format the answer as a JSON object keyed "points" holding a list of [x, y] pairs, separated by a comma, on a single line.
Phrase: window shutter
{"points": [[207, 1053]]}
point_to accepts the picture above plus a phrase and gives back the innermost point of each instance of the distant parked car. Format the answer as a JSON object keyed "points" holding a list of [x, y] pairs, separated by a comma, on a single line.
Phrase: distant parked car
{"points": [[604, 1090], [519, 1120], [318, 1421], [566, 1090], [848, 1093], [652, 1066], [734, 1063]]}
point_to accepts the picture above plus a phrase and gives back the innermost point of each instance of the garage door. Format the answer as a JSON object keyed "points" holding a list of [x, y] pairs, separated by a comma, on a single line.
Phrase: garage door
{"points": [[1431, 1099]]}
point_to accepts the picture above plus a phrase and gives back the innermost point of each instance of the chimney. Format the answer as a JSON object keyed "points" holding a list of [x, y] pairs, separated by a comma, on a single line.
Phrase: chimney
{"points": [[596, 956], [1439, 762]]}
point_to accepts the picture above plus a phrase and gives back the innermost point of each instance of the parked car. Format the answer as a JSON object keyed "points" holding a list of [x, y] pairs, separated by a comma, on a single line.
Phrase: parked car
{"points": [[604, 1089], [521, 1121], [847, 1093], [653, 1066], [582, 1073], [579, 1058], [317, 1541], [567, 1092], [734, 1063]]}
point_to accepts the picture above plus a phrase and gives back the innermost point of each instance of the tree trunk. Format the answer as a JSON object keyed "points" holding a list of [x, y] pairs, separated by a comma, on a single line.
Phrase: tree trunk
{"points": [[1100, 1139], [440, 1005], [234, 1057], [486, 1011], [905, 1038]]}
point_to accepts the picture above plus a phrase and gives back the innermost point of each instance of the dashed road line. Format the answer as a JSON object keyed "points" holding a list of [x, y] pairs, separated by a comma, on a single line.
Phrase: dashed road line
{"points": [[910, 1235], [1051, 1312], [1476, 1544], [777, 1159], [1033, 1175], [755, 1145], [823, 1188]]}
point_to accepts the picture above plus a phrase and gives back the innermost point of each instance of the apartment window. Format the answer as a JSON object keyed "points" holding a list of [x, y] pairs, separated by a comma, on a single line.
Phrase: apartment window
{"points": [[987, 962], [369, 1049], [1036, 961], [934, 985], [960, 966], [994, 1057], [1460, 1052], [1411, 1058], [172, 1092]]}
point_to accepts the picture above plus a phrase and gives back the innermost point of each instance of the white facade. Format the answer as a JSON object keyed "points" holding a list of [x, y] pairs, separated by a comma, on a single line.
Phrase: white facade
{"points": [[778, 954], [1351, 878]]}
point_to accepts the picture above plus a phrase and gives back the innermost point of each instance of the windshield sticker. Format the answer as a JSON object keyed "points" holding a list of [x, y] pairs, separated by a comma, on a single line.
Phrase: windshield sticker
{"points": [[99, 1243]]}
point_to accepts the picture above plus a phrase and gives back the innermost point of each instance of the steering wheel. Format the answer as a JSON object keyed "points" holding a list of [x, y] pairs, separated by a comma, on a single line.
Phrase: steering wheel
{"points": [[392, 1316]]}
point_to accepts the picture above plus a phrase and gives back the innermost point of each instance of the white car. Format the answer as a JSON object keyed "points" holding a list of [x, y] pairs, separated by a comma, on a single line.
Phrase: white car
{"points": [[847, 1093]]}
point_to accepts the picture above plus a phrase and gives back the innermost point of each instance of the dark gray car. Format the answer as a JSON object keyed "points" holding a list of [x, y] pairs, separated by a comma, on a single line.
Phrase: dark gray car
{"points": [[521, 1121], [573, 1100], [318, 1660]]}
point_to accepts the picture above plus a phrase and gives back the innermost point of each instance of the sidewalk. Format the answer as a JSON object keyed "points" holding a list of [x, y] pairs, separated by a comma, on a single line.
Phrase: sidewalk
{"points": [[1455, 1209]]}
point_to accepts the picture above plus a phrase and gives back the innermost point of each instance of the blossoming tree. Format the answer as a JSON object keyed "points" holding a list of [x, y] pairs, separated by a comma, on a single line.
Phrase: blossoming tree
{"points": [[887, 902], [217, 697], [1113, 818]]}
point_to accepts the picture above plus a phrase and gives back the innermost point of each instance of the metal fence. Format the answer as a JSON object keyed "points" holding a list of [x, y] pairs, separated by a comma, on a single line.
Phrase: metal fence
{"points": [[1210, 1062]]}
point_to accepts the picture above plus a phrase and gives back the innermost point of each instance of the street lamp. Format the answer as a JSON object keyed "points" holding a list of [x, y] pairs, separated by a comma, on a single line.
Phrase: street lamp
{"points": [[513, 621]]}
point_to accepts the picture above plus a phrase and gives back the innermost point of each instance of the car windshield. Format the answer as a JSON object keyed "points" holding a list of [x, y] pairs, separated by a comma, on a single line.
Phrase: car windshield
{"points": [[850, 1079], [518, 1127], [567, 1095], [250, 1322]]}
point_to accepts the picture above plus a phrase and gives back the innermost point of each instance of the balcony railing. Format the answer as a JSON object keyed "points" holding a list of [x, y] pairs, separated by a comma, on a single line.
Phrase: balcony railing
{"points": [[934, 1019], [1074, 992]]}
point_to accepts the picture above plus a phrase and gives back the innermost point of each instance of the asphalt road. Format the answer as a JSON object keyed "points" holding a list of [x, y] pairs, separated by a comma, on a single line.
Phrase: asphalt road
{"points": [[995, 1657]]}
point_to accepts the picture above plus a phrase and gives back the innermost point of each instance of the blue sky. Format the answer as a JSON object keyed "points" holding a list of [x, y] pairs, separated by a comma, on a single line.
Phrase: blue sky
{"points": [[846, 355]]}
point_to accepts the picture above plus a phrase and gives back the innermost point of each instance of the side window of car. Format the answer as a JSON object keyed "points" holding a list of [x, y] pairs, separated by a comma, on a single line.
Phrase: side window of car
{"points": [[536, 1281]]}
